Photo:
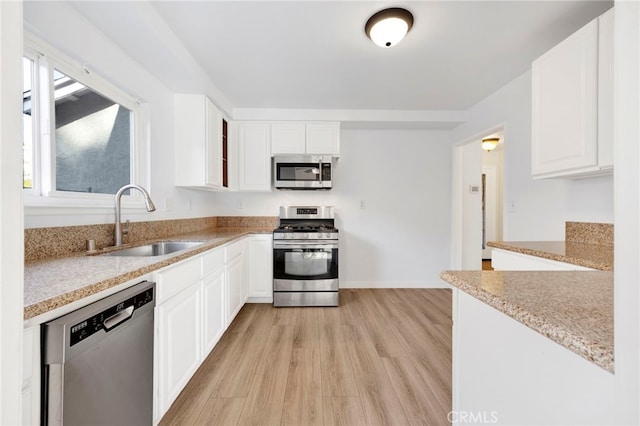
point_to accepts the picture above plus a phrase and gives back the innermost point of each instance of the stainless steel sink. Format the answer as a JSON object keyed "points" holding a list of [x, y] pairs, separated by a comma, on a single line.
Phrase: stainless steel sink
{"points": [[156, 249]]}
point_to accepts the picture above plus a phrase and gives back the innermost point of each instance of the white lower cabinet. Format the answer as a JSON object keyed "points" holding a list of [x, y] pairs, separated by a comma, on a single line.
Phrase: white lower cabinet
{"points": [[504, 260], [178, 344], [505, 373], [31, 376], [196, 301], [236, 282], [260, 271], [214, 314]]}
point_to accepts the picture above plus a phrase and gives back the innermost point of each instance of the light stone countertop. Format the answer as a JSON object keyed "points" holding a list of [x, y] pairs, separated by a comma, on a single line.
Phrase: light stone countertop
{"points": [[594, 256], [572, 308], [53, 283]]}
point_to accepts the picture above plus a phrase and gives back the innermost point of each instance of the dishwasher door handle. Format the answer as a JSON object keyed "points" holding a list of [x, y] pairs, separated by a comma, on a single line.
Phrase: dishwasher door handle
{"points": [[114, 320]]}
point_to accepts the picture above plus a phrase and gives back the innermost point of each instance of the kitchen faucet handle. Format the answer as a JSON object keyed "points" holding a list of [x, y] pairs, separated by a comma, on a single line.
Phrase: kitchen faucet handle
{"points": [[125, 228]]}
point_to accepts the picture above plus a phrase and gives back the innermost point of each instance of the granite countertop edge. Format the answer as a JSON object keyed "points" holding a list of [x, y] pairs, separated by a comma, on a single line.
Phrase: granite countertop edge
{"points": [[50, 268], [595, 352], [587, 263]]}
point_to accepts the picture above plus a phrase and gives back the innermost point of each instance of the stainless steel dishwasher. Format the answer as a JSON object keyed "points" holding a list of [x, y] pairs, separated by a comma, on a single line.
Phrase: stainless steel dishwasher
{"points": [[98, 362]]}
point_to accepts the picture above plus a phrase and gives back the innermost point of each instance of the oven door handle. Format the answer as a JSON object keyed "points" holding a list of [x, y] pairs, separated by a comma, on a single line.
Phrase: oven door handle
{"points": [[305, 245]]}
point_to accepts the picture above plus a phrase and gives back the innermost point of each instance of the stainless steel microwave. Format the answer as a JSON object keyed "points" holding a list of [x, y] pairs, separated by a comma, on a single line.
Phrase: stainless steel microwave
{"points": [[302, 172]]}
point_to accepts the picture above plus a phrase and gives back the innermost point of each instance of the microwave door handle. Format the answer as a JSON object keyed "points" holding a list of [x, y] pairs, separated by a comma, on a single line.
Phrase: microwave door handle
{"points": [[320, 170]]}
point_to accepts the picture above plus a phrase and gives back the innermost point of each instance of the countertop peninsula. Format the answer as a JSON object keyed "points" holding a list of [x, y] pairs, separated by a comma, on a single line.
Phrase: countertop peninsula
{"points": [[596, 256], [572, 308], [53, 283], [585, 244]]}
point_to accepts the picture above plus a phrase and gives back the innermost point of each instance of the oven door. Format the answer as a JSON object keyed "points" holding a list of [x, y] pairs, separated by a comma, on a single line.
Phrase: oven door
{"points": [[305, 265]]}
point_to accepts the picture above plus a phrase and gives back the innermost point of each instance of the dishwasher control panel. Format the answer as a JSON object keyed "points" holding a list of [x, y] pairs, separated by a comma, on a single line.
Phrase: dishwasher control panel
{"points": [[110, 318]]}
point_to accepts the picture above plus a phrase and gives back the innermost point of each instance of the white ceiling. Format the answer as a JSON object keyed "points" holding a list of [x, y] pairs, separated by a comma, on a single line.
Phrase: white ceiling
{"points": [[315, 55]]}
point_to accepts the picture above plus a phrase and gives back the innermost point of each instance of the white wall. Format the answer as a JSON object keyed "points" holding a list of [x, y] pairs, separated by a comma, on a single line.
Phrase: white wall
{"points": [[627, 231], [62, 26], [401, 237], [472, 206], [11, 236], [535, 210]]}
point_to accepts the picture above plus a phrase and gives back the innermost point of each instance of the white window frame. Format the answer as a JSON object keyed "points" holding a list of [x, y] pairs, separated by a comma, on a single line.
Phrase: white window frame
{"points": [[43, 198]]}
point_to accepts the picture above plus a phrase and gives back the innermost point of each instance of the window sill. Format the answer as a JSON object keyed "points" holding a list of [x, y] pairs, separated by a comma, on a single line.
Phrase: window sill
{"points": [[100, 205]]}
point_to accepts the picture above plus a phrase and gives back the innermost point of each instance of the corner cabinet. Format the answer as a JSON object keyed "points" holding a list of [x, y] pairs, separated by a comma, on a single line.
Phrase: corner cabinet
{"points": [[292, 137], [572, 104], [254, 156], [199, 143]]}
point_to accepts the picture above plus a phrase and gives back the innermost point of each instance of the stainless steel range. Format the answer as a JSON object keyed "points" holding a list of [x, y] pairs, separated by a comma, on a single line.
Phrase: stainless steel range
{"points": [[305, 257]]}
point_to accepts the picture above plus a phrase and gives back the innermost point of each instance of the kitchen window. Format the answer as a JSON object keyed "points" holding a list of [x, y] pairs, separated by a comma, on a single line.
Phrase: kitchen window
{"points": [[81, 133]]}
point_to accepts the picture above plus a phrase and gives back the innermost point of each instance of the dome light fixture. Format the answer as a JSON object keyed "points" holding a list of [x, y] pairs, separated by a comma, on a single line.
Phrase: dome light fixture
{"points": [[489, 144], [388, 27]]}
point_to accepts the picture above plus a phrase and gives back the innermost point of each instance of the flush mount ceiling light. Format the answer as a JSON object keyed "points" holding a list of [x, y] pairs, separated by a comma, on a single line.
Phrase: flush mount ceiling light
{"points": [[489, 144], [387, 27]]}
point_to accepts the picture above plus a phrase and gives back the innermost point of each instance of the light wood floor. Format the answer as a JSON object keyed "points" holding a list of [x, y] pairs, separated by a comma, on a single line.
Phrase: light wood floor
{"points": [[486, 265], [382, 358]]}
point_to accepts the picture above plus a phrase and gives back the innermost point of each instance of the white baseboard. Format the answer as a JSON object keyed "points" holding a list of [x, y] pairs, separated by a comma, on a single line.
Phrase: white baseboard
{"points": [[392, 284], [260, 300]]}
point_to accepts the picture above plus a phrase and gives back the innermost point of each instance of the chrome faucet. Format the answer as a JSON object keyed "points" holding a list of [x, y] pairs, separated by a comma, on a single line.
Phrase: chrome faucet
{"points": [[147, 201]]}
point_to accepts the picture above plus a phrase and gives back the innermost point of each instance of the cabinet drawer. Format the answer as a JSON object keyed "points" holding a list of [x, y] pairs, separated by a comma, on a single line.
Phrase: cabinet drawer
{"points": [[234, 250], [175, 278], [212, 261]]}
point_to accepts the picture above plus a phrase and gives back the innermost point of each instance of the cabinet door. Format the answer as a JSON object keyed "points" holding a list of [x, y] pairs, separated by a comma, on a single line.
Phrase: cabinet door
{"points": [[235, 290], [214, 315], [605, 89], [287, 138], [179, 343], [31, 376], [213, 152], [323, 138], [189, 139], [565, 104], [254, 166], [197, 142], [260, 268]]}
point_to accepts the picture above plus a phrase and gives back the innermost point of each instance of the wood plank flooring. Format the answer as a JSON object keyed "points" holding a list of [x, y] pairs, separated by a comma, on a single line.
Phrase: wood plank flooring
{"points": [[382, 358]]}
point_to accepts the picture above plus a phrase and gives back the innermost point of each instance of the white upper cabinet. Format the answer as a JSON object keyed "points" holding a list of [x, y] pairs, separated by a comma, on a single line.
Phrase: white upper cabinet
{"points": [[323, 138], [198, 141], [254, 159], [305, 138], [288, 138], [572, 104]]}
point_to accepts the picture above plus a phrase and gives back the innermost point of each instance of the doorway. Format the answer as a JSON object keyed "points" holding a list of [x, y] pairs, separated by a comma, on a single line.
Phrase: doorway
{"points": [[492, 167], [477, 207]]}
